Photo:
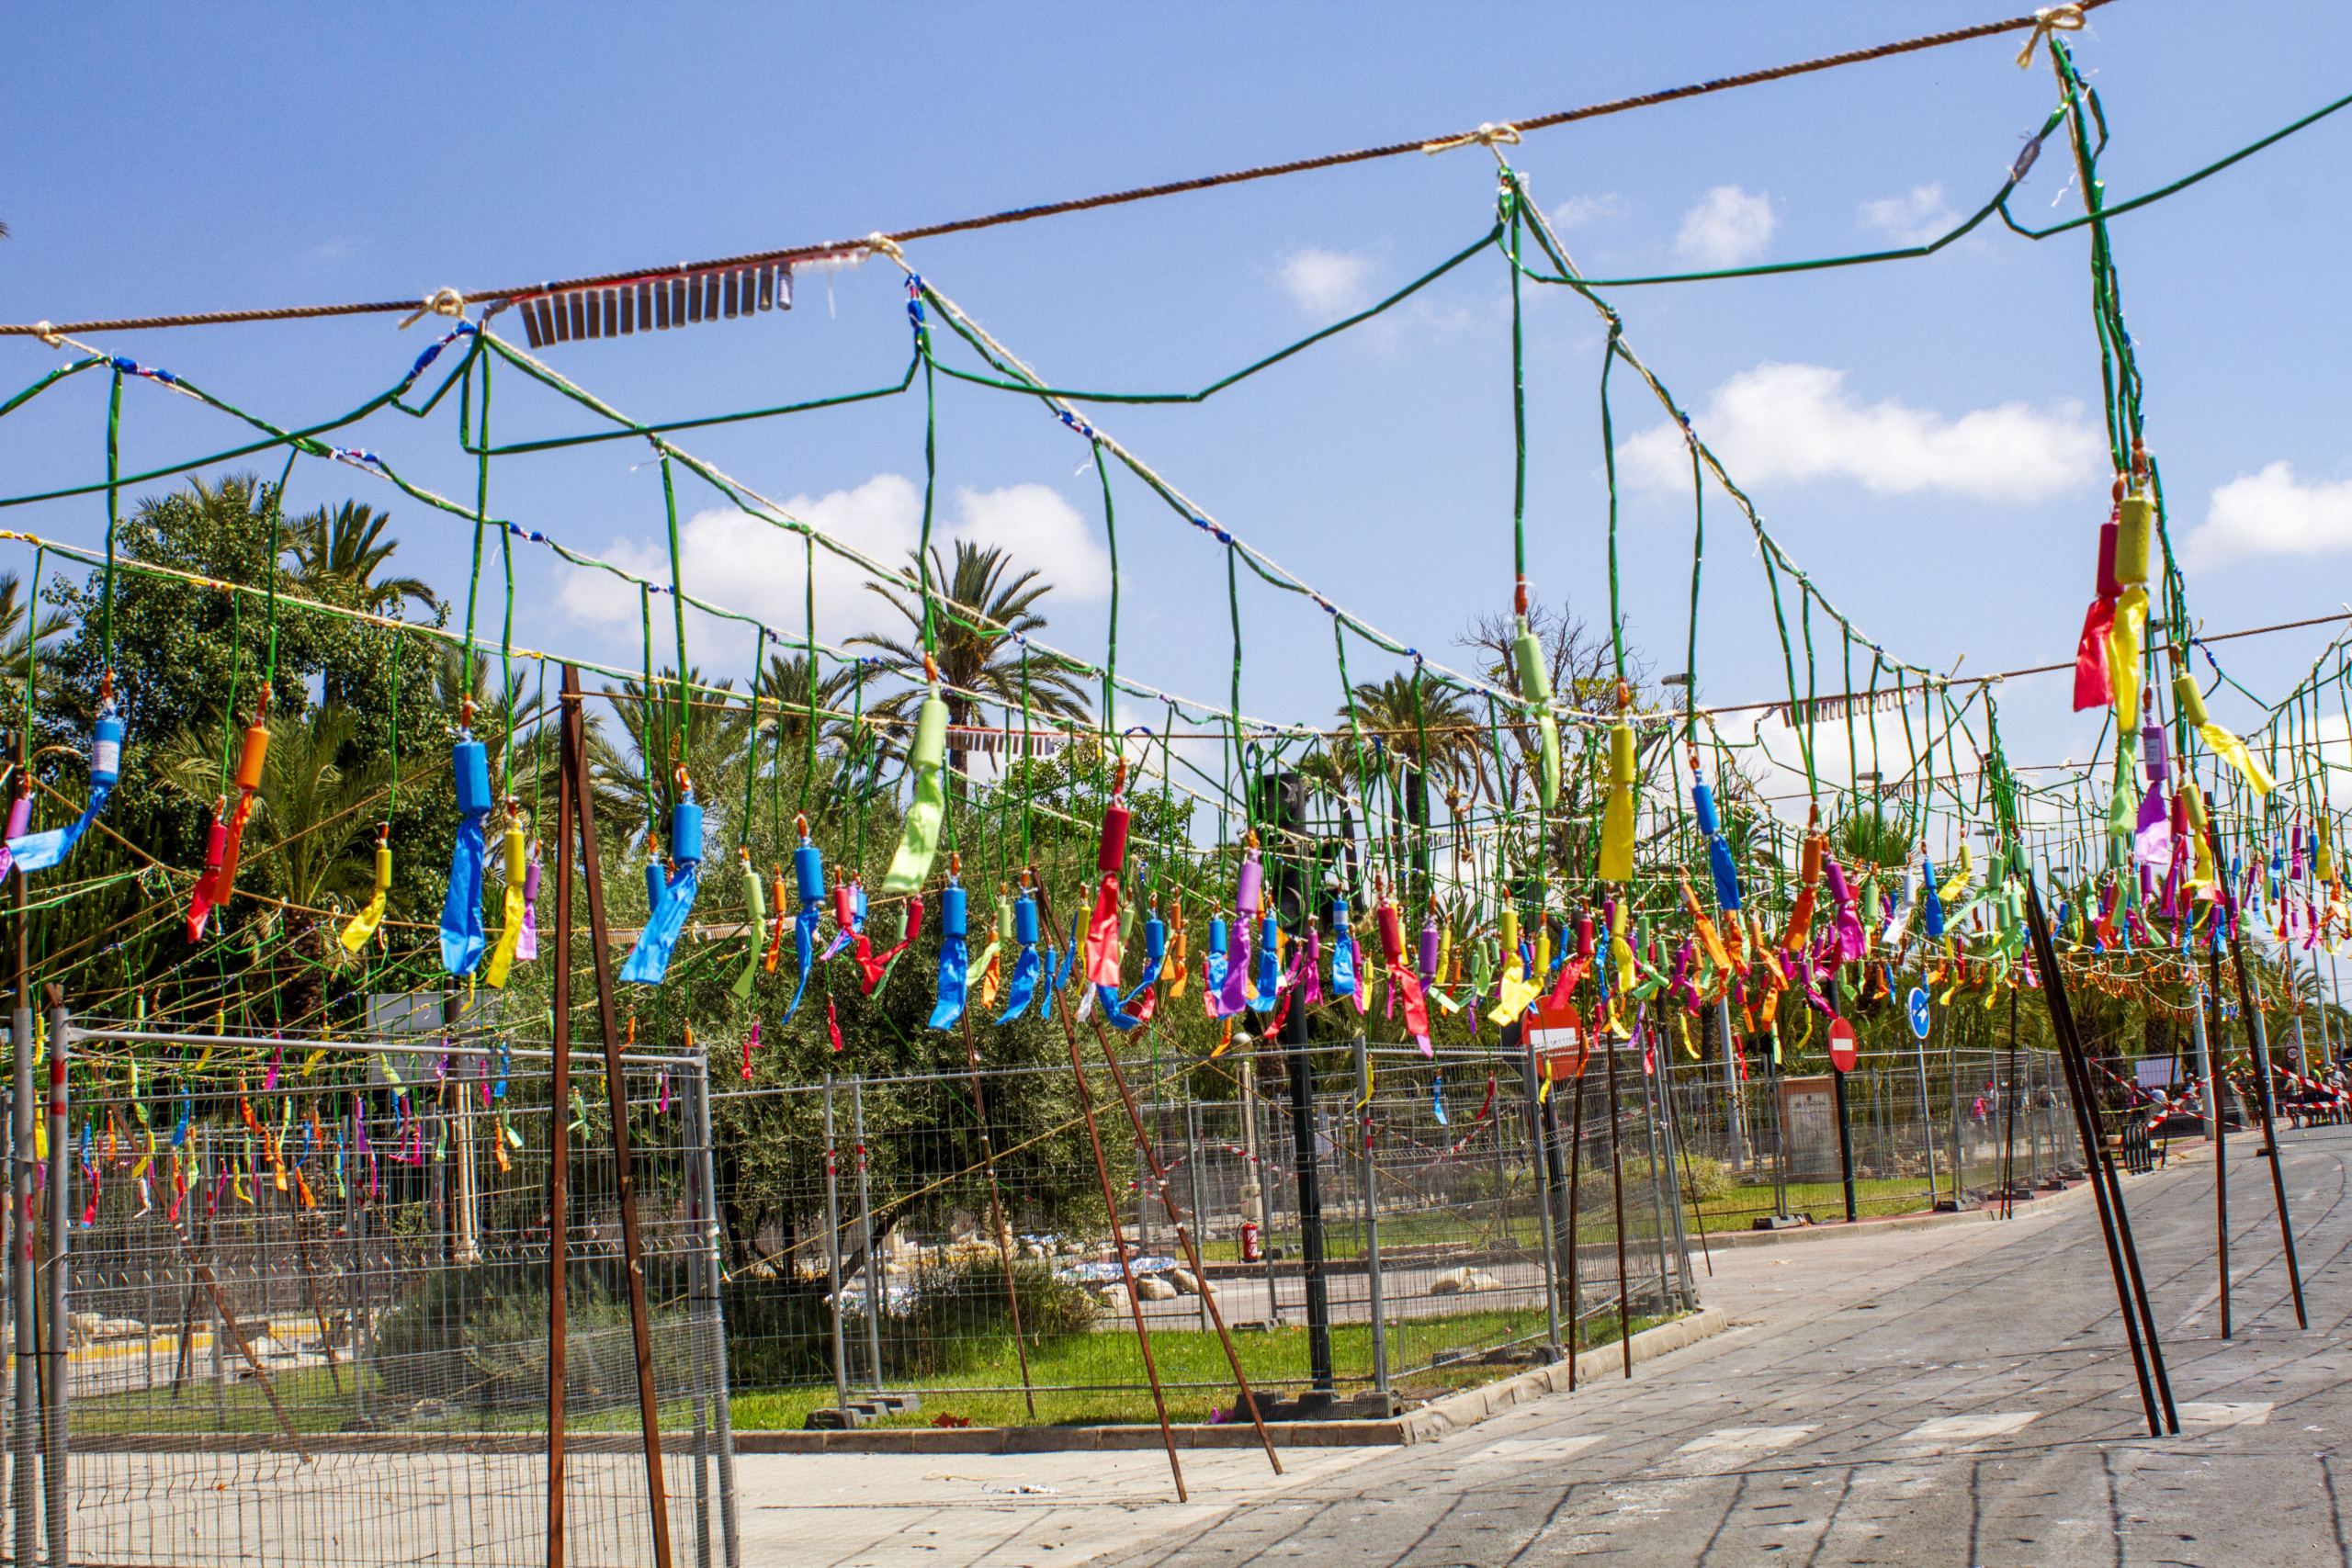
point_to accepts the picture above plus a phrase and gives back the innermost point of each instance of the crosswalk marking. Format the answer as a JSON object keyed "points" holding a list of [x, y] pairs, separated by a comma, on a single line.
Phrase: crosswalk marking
{"points": [[1754, 1439], [2205, 1413], [1968, 1428], [1535, 1449]]}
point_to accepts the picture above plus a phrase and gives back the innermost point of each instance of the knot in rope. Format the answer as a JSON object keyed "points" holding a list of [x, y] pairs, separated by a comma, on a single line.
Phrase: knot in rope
{"points": [[2050, 19], [49, 334], [881, 245], [440, 302], [1487, 136]]}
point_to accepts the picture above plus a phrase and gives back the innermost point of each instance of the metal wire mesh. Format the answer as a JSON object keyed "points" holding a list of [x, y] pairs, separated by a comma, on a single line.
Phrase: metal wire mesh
{"points": [[308, 1311]]}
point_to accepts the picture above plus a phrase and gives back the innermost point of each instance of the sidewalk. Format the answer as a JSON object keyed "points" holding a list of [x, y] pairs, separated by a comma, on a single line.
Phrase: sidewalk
{"points": [[999, 1510]]}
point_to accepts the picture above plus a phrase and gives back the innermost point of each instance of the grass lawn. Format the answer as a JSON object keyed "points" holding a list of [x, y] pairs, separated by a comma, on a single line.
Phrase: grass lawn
{"points": [[1101, 1373], [1275, 1359]]}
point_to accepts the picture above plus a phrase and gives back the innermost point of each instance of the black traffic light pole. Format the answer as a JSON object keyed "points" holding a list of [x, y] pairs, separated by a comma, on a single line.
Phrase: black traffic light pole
{"points": [[1286, 817]]}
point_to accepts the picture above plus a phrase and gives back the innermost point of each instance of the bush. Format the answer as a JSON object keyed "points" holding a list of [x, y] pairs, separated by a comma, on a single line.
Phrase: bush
{"points": [[477, 1338], [1704, 1180]]}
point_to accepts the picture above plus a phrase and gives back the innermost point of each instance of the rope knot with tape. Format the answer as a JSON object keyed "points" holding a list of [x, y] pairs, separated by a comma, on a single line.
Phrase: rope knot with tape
{"points": [[1485, 135], [440, 302], [2048, 20]]}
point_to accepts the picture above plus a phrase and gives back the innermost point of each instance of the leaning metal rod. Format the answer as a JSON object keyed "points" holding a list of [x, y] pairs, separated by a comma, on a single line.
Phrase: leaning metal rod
{"points": [[2250, 1012], [1185, 1238], [1118, 1233], [575, 779], [996, 1212], [2062, 1022]]}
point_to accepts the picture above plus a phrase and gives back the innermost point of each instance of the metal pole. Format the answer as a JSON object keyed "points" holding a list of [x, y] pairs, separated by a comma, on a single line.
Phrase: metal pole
{"points": [[874, 1280], [23, 1440], [1540, 1165], [2129, 1299], [833, 1251], [559, 1183], [1371, 1216], [714, 1322], [1617, 1183], [1659, 1161], [54, 1477], [1845, 1141], [575, 780]]}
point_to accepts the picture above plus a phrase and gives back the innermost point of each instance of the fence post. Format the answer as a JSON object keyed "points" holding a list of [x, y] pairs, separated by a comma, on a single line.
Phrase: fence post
{"points": [[874, 1280], [23, 1439], [1200, 1229], [833, 1250], [1370, 1215], [1732, 1129], [1539, 1163], [716, 1320], [2205, 1072], [1661, 1168], [61, 1215]]}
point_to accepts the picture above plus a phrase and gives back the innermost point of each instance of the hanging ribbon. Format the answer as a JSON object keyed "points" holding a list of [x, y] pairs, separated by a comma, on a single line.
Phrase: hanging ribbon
{"points": [[2190, 705], [461, 932], [527, 946], [362, 925], [39, 852], [1617, 819], [1719, 858], [756, 914], [809, 878], [876, 965], [510, 930], [1022, 985], [953, 957], [648, 961], [919, 842]]}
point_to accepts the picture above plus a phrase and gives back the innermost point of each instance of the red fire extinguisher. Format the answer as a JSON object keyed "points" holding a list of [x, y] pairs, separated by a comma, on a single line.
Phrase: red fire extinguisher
{"points": [[1250, 1241]]}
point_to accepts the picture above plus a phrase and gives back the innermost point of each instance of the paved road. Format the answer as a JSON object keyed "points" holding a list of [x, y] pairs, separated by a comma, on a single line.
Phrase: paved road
{"points": [[1962, 1398]]}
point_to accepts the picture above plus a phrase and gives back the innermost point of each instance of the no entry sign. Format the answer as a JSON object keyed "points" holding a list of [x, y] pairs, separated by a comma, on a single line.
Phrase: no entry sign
{"points": [[1841, 1045]]}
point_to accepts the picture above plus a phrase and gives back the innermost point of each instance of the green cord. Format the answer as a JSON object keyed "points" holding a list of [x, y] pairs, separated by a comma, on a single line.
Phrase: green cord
{"points": [[482, 520], [677, 605], [114, 493]]}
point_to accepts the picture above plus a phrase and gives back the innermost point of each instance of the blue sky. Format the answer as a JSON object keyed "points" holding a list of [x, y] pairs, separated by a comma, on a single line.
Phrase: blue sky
{"points": [[1921, 435]]}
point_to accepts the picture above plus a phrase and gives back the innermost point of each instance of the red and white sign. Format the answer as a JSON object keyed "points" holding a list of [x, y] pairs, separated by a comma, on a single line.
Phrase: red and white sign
{"points": [[1556, 1036], [1841, 1045]]}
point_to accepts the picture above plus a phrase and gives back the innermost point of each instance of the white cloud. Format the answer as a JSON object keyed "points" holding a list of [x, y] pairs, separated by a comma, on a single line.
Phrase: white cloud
{"points": [[732, 559], [1794, 423], [1585, 208], [1327, 283], [1728, 229], [2272, 513], [1037, 528], [1911, 219]]}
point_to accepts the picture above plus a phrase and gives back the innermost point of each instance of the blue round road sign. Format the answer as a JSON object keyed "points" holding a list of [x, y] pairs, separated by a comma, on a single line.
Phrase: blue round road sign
{"points": [[1917, 1003]]}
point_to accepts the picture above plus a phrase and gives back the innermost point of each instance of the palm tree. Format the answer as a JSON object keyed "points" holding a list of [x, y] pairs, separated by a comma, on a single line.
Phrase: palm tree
{"points": [[1428, 729], [976, 614], [311, 805], [22, 630], [345, 550], [634, 772], [500, 714]]}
